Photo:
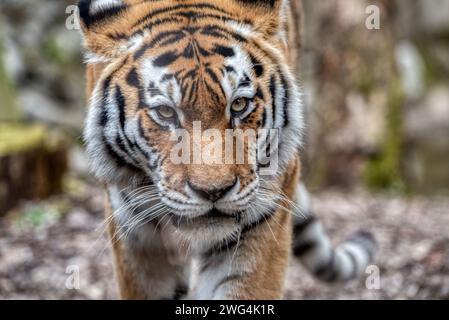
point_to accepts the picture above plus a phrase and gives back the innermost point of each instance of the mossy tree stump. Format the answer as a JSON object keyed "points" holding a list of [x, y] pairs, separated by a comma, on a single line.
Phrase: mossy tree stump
{"points": [[33, 161]]}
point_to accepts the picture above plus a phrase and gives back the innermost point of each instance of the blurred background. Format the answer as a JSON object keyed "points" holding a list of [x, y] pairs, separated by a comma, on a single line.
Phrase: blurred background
{"points": [[376, 155]]}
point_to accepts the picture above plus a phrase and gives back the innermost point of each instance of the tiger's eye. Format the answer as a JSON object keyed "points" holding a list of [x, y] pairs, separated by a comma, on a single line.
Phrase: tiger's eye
{"points": [[166, 112], [239, 105]]}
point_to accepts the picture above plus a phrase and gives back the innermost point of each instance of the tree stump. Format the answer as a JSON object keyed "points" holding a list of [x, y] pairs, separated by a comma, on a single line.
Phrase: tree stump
{"points": [[33, 161]]}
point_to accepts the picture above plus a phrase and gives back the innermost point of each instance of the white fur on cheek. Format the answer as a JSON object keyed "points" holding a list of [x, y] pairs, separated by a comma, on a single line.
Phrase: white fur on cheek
{"points": [[102, 5]]}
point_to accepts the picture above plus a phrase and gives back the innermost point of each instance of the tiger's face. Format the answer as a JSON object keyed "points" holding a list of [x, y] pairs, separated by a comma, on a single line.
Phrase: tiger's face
{"points": [[171, 72]]}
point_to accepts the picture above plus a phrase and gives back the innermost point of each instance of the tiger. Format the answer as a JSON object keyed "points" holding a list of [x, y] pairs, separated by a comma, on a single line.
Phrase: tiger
{"points": [[198, 230]]}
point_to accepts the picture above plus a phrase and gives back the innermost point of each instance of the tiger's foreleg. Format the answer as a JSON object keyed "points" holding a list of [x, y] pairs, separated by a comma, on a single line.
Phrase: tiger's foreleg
{"points": [[145, 267]]}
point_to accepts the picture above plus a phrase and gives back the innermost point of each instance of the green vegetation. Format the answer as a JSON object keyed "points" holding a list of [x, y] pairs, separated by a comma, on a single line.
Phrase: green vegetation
{"points": [[55, 53], [40, 215], [384, 170], [8, 107], [366, 83], [15, 138]]}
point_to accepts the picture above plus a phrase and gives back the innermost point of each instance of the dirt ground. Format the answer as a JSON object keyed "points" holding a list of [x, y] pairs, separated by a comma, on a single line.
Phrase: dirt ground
{"points": [[43, 246]]}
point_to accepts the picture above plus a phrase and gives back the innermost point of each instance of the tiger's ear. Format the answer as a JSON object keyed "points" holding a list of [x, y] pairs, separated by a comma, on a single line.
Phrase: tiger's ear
{"points": [[102, 24], [268, 15]]}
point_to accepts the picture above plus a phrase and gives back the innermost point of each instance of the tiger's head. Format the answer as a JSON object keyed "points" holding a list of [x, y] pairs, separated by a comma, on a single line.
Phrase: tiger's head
{"points": [[170, 66]]}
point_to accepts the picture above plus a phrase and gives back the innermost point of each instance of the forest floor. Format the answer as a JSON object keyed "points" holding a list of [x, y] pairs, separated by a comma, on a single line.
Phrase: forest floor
{"points": [[43, 246]]}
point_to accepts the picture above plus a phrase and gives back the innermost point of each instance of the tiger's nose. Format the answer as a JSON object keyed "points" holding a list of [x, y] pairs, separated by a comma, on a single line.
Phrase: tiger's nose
{"points": [[212, 194]]}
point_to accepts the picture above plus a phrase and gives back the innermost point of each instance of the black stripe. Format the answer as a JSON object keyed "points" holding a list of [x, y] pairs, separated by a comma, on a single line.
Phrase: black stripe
{"points": [[119, 161], [286, 98], [264, 118], [198, 15], [120, 144], [180, 291], [267, 152], [327, 271], [245, 82], [160, 37], [184, 88], [192, 90], [104, 117], [257, 66], [190, 74], [268, 3], [173, 39], [224, 51], [259, 94], [213, 32], [303, 248], [189, 51], [273, 93], [212, 75], [154, 13], [165, 59], [230, 69], [167, 77], [104, 101], [132, 79], [300, 226], [217, 28], [191, 30], [155, 91], [213, 92], [121, 104], [202, 51], [148, 26]]}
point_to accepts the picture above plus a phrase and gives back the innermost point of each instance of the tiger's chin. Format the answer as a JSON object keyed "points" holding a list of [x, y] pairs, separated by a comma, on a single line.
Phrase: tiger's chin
{"points": [[210, 228]]}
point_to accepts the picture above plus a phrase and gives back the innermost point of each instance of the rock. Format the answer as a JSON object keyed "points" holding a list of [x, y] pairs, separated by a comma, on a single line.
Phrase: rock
{"points": [[411, 68], [433, 15], [41, 107], [12, 59], [429, 121]]}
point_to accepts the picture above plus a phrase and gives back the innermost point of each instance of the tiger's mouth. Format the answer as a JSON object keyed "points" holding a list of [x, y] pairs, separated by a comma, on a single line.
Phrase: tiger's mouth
{"points": [[215, 213], [212, 217]]}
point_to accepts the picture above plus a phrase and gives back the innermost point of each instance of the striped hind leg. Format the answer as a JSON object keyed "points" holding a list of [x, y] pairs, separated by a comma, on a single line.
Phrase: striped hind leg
{"points": [[312, 246]]}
